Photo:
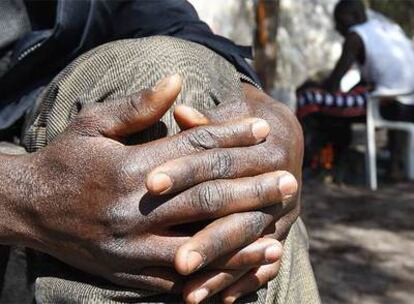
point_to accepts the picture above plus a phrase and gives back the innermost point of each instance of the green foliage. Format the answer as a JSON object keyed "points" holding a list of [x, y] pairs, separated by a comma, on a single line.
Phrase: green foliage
{"points": [[401, 11]]}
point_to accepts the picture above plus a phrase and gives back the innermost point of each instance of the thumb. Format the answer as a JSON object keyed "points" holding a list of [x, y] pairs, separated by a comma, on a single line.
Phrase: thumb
{"points": [[134, 113]]}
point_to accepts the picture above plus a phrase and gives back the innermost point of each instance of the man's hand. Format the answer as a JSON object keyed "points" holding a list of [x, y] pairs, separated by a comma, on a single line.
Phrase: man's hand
{"points": [[83, 198], [282, 150]]}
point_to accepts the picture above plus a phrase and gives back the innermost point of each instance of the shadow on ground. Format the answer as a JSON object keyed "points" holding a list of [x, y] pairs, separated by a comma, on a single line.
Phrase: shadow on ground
{"points": [[362, 242]]}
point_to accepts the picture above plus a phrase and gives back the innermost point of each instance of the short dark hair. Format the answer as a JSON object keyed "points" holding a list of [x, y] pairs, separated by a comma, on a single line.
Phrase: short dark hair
{"points": [[353, 7]]}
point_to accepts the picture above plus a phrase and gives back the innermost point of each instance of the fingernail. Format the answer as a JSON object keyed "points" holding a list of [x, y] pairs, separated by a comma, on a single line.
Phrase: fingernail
{"points": [[200, 294], [260, 129], [287, 185], [230, 299], [194, 261], [272, 253], [196, 113], [159, 182], [164, 82], [199, 117], [193, 114]]}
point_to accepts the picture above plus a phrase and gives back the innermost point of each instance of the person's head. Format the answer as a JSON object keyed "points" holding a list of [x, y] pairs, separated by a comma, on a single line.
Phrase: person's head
{"points": [[348, 13]]}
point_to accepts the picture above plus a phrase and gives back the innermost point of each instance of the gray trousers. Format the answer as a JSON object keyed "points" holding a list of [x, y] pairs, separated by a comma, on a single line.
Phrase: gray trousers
{"points": [[124, 67]]}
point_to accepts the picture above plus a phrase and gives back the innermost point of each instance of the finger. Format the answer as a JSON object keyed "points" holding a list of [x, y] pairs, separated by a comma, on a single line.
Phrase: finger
{"points": [[285, 220], [150, 251], [237, 133], [215, 199], [187, 171], [131, 255], [134, 113], [208, 284], [264, 251], [250, 282], [220, 238], [188, 117], [161, 279]]}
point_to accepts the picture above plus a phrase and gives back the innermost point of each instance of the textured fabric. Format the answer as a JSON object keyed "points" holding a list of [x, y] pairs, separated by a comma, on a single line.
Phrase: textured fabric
{"points": [[65, 29], [295, 283], [125, 67]]}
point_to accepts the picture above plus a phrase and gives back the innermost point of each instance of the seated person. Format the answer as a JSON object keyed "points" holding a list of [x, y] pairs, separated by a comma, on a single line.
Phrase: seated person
{"points": [[121, 198], [383, 52], [385, 56]]}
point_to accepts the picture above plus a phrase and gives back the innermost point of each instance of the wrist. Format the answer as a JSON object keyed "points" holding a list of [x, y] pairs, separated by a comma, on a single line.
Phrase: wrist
{"points": [[16, 196]]}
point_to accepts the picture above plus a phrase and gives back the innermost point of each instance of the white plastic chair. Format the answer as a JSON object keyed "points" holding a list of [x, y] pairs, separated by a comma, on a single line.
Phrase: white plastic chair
{"points": [[374, 121]]}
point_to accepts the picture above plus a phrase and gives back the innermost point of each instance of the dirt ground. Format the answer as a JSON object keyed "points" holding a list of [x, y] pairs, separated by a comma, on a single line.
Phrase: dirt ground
{"points": [[362, 242]]}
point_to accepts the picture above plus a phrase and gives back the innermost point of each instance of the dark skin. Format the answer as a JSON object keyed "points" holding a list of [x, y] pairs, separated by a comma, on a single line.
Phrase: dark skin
{"points": [[282, 149], [103, 220], [353, 50]]}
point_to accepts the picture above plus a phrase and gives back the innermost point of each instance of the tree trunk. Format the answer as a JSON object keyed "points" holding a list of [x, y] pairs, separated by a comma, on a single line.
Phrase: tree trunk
{"points": [[267, 21]]}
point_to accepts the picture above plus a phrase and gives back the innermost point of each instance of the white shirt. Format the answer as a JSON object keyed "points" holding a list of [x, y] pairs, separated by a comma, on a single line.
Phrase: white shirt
{"points": [[389, 58]]}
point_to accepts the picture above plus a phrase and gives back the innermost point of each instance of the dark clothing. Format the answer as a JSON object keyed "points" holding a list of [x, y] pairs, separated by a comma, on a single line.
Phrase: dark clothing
{"points": [[117, 68], [397, 111], [122, 68], [64, 29]]}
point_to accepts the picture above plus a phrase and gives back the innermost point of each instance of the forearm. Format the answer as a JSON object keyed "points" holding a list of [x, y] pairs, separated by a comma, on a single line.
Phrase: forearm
{"points": [[15, 194]]}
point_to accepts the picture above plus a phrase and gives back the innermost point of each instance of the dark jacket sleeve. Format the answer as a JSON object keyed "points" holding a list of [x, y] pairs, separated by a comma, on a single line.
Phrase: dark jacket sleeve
{"points": [[82, 25], [178, 18]]}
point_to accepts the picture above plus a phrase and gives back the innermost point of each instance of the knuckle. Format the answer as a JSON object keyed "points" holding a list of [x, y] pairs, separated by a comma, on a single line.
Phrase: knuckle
{"points": [[115, 223], [144, 103], [210, 198], [86, 121], [260, 191], [114, 247], [125, 176], [120, 220], [221, 164], [272, 156], [202, 139], [254, 223], [126, 108], [127, 279], [134, 100]]}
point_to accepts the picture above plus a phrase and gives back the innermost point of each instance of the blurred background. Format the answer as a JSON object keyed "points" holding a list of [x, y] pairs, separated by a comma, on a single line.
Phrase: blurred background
{"points": [[302, 33], [361, 237]]}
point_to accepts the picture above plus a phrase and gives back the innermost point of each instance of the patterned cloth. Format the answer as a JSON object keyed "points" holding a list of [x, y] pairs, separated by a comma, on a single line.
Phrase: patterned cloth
{"points": [[350, 104], [121, 68]]}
